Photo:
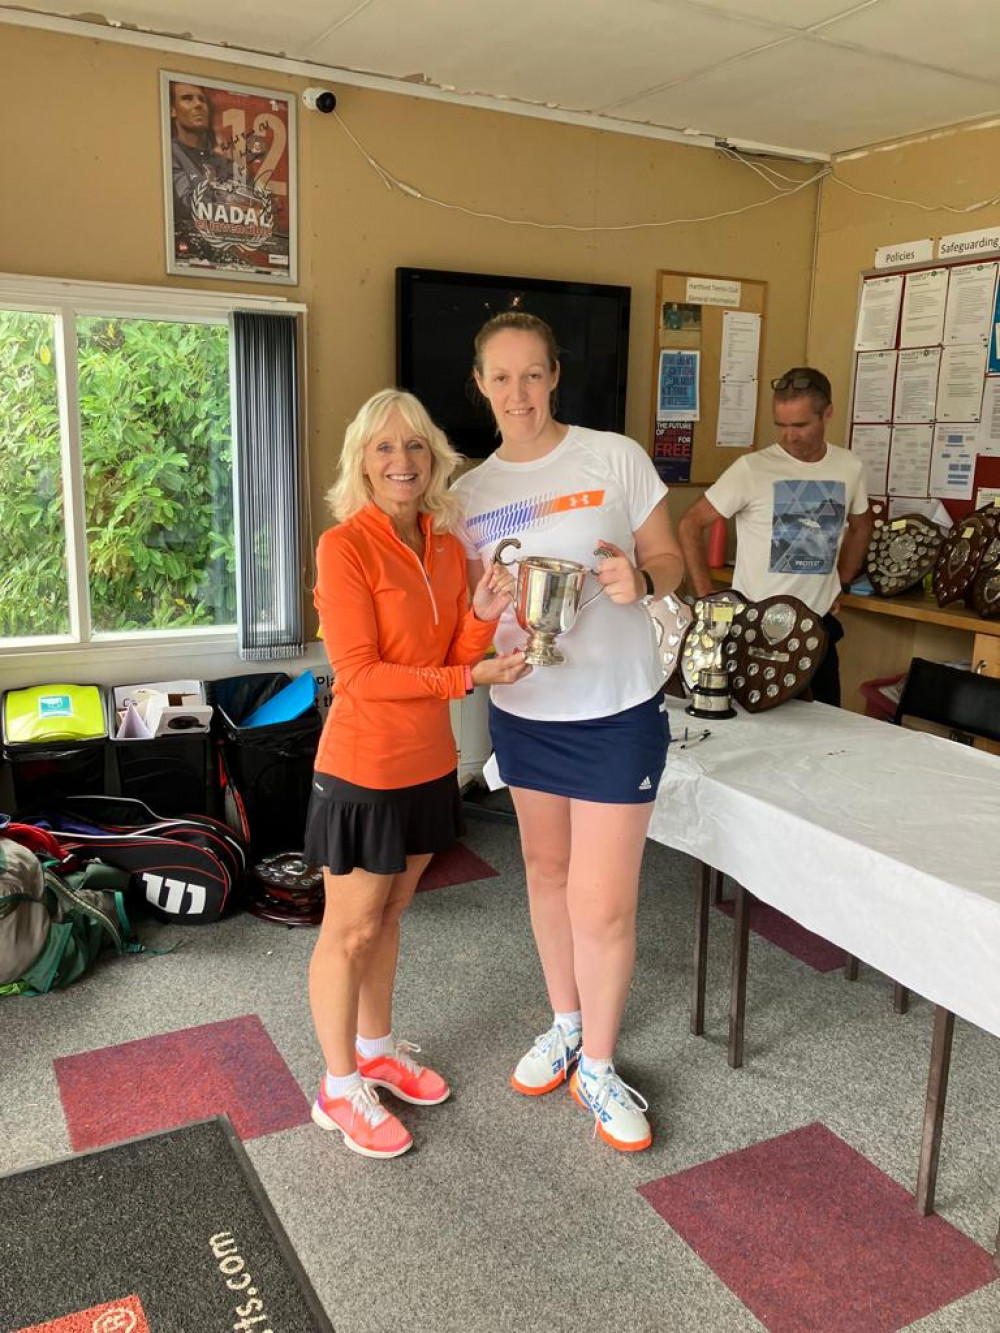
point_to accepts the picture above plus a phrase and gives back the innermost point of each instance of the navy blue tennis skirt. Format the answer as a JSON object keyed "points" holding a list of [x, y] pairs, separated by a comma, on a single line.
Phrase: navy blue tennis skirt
{"points": [[618, 760]]}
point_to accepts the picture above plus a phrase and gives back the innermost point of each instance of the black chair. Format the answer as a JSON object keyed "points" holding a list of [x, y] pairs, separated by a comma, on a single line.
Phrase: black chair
{"points": [[964, 703]]}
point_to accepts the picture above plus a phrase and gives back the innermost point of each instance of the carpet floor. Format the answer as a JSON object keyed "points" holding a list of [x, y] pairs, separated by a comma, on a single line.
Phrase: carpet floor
{"points": [[775, 1197], [168, 1231]]}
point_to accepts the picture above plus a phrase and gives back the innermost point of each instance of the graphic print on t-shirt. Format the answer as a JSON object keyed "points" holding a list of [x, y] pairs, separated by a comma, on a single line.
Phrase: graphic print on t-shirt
{"points": [[806, 524], [526, 515]]}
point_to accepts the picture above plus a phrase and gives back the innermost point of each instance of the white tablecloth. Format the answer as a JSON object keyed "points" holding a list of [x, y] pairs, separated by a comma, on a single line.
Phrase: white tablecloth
{"points": [[883, 840]]}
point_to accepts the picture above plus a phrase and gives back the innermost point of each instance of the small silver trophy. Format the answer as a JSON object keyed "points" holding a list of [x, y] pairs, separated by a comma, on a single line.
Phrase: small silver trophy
{"points": [[710, 687], [547, 600]]}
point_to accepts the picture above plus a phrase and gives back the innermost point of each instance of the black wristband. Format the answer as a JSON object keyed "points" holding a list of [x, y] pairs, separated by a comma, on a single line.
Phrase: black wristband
{"points": [[650, 586]]}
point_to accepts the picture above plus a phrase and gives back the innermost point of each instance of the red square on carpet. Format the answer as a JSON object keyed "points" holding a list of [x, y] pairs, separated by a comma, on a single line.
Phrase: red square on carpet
{"points": [[139, 1087], [811, 1236], [455, 866], [774, 926]]}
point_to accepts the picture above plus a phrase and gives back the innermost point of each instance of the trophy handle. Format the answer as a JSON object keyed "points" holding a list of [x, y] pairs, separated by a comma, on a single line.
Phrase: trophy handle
{"points": [[590, 600], [507, 542]]}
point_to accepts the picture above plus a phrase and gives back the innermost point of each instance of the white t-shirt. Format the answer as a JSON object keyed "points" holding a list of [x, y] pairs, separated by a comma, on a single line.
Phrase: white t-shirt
{"points": [[594, 486], [790, 521]]}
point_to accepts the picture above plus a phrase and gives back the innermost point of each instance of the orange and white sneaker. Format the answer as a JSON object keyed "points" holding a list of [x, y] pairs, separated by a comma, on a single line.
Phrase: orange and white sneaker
{"points": [[400, 1074], [548, 1062], [368, 1128], [618, 1110]]}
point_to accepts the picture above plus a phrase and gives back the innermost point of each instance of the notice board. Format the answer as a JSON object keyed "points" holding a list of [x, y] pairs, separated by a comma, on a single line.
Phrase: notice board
{"points": [[708, 349], [925, 387]]}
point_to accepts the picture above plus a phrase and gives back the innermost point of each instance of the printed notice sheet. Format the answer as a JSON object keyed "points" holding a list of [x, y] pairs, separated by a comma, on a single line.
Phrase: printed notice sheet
{"points": [[737, 414], [873, 383], [922, 324], [988, 441], [878, 314], [740, 345], [916, 384], [932, 509], [871, 445], [910, 460], [953, 461], [970, 303], [960, 382], [677, 387]]}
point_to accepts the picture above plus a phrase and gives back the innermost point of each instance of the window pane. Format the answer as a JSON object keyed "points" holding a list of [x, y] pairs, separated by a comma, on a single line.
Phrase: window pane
{"points": [[154, 420], [34, 598]]}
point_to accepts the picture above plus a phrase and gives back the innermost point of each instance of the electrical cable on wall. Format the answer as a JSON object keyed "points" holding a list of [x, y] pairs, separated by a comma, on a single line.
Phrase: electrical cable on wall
{"points": [[781, 185]]}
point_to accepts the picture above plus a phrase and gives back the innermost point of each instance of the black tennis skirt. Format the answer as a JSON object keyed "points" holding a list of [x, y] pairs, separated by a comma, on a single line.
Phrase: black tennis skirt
{"points": [[376, 829]]}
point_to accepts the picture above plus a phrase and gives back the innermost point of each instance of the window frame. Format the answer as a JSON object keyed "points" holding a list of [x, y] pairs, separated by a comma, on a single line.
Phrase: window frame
{"points": [[67, 300]]}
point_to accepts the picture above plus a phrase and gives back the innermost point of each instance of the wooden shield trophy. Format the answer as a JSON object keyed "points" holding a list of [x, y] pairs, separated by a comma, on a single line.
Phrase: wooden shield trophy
{"points": [[961, 554], [984, 596], [772, 652], [901, 552]]}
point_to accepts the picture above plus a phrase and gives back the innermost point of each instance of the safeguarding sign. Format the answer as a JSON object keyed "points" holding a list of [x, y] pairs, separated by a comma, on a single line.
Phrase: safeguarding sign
{"points": [[229, 180]]}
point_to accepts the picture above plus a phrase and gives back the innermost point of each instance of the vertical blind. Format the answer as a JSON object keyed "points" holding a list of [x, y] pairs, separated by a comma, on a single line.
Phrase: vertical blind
{"points": [[267, 466]]}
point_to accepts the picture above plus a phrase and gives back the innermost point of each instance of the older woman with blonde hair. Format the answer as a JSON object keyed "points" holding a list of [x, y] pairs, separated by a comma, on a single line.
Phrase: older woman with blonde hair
{"points": [[403, 640]]}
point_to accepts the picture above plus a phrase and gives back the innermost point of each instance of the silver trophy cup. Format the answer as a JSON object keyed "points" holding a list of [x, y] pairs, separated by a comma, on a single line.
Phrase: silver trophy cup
{"points": [[547, 600], [710, 696]]}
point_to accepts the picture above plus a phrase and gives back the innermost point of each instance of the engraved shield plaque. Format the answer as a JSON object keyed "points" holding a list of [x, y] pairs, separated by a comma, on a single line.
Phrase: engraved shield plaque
{"points": [[773, 650], [901, 552], [961, 554]]}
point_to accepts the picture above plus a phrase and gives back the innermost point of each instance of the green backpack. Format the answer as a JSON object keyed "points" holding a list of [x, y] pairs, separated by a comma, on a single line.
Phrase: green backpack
{"points": [[54, 924]]}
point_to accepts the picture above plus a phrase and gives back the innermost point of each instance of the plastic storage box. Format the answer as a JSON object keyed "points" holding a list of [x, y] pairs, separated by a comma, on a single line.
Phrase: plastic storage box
{"points": [[55, 740]]}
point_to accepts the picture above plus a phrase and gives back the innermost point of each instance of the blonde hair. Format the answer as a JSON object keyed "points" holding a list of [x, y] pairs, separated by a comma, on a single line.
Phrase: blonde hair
{"points": [[351, 491]]}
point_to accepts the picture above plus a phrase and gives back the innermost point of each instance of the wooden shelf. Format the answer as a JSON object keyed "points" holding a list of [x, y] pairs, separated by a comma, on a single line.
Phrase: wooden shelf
{"points": [[918, 605], [914, 605]]}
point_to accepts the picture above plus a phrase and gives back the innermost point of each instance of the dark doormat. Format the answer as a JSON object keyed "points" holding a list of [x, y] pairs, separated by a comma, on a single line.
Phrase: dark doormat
{"points": [[171, 1233]]}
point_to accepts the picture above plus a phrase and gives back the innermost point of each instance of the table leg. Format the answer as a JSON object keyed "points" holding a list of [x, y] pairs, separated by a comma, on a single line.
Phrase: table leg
{"points": [[701, 908], [718, 885], [937, 1091], [851, 967], [738, 986], [900, 999]]}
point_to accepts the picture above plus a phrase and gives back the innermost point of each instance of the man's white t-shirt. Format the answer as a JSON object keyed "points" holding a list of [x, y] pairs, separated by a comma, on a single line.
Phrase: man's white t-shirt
{"points": [[790, 521], [593, 486]]}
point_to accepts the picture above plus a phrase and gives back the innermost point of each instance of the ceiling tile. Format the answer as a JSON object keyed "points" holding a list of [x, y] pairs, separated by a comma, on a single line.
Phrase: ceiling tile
{"points": [[968, 43], [799, 14], [256, 24], [564, 52], [828, 100]]}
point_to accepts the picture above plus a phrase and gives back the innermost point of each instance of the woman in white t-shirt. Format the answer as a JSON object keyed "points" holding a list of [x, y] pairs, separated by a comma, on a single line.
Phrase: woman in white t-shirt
{"points": [[581, 745]]}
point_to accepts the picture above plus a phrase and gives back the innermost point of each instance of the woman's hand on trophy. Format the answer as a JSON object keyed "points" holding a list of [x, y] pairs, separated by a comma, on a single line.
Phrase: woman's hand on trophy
{"points": [[501, 670], [617, 575], [494, 592]]}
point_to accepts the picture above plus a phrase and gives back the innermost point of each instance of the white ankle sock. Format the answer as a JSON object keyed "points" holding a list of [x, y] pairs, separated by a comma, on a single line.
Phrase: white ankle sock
{"points": [[369, 1047], [594, 1068], [342, 1087], [569, 1022]]}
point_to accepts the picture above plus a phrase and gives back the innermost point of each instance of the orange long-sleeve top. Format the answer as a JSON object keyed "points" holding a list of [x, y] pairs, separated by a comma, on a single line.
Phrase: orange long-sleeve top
{"points": [[399, 634]]}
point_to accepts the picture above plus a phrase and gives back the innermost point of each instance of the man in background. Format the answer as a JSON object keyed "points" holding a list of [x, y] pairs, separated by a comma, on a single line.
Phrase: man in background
{"points": [[802, 518]]}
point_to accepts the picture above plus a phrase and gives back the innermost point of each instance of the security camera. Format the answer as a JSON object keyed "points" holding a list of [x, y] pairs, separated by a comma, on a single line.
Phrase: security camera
{"points": [[320, 99]]}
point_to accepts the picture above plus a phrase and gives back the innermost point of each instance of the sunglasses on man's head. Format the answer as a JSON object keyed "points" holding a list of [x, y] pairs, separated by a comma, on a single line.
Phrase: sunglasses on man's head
{"points": [[796, 382]]}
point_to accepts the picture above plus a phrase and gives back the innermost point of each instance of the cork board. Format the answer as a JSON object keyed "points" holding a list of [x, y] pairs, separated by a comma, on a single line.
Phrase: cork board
{"points": [[689, 316]]}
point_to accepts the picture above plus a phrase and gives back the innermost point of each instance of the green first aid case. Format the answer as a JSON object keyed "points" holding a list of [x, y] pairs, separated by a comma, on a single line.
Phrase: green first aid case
{"points": [[47, 713]]}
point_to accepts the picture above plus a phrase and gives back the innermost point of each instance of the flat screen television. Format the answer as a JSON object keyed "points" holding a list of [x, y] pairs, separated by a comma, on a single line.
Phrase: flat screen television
{"points": [[439, 313]]}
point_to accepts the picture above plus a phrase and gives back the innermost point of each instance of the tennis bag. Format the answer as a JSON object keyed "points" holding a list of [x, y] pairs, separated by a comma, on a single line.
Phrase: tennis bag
{"points": [[53, 926], [187, 870]]}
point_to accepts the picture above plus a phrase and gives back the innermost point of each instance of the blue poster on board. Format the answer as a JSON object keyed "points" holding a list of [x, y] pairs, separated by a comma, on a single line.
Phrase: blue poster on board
{"points": [[993, 360]]}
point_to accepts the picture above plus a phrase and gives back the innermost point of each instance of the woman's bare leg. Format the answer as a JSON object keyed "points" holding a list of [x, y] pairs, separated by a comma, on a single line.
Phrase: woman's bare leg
{"points": [[544, 824]]}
